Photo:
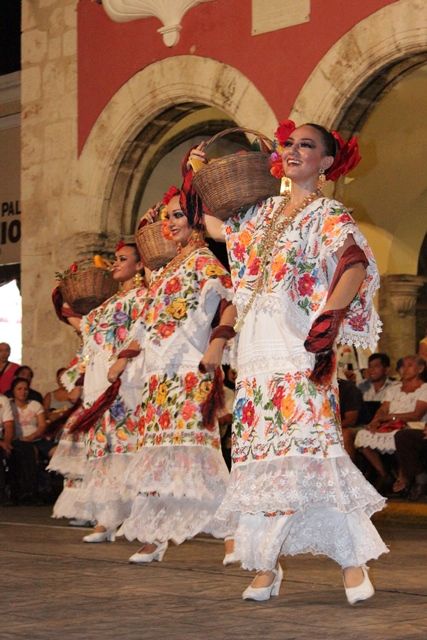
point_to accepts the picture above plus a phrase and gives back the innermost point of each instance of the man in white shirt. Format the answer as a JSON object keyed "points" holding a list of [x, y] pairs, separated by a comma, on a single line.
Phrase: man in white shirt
{"points": [[6, 437], [374, 387]]}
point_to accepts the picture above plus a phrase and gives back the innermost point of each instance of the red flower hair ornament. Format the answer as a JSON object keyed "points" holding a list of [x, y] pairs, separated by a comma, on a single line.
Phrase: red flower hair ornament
{"points": [[121, 243], [281, 134], [346, 159], [170, 193]]}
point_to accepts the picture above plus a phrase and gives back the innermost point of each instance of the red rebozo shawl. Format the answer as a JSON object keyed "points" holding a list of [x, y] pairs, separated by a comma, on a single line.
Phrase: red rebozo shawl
{"points": [[91, 415], [325, 328]]}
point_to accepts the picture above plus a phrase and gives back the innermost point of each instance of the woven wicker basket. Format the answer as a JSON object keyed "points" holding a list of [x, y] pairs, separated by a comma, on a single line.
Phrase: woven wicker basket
{"points": [[236, 181], [86, 289], [154, 248]]}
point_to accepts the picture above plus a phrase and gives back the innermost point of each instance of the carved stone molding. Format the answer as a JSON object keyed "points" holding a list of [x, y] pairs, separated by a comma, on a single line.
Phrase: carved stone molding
{"points": [[169, 12], [403, 291]]}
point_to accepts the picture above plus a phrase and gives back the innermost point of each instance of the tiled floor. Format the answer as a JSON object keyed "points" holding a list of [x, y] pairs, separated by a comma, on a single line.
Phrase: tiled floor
{"points": [[56, 587]]}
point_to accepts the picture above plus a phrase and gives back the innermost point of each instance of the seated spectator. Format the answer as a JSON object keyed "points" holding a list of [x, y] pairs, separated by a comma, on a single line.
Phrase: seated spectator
{"points": [[377, 380], [403, 403], [411, 453], [350, 404], [26, 373], [7, 368], [28, 446], [6, 437]]}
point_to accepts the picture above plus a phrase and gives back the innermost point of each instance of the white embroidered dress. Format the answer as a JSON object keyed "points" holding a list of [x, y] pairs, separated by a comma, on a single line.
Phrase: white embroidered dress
{"points": [[110, 443], [292, 483], [178, 471]]}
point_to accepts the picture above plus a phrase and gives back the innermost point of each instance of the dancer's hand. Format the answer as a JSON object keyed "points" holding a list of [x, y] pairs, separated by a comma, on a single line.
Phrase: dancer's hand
{"points": [[197, 157], [116, 370], [213, 356]]}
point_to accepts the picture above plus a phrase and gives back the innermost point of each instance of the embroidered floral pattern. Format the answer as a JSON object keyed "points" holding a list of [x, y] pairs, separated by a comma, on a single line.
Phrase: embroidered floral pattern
{"points": [[285, 415], [114, 433], [172, 300], [170, 412], [301, 261]]}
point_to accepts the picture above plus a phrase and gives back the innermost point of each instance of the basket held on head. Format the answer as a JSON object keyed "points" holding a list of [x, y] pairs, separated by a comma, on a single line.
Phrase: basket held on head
{"points": [[87, 288], [237, 181], [154, 248]]}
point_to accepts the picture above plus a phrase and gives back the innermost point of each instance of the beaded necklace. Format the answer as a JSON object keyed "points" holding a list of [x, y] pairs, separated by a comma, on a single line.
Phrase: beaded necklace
{"points": [[271, 235], [196, 242]]}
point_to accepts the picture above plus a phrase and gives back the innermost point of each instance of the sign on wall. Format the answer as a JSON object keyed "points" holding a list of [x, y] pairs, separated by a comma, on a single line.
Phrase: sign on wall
{"points": [[10, 209]]}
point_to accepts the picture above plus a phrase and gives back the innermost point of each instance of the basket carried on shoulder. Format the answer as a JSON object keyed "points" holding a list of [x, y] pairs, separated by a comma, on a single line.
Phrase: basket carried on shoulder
{"points": [[154, 248], [87, 288], [236, 181]]}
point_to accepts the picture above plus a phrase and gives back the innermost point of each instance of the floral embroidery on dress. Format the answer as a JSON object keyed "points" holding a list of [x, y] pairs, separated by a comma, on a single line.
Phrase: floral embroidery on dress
{"points": [[172, 300], [285, 415], [170, 412], [301, 262], [108, 325], [114, 433]]}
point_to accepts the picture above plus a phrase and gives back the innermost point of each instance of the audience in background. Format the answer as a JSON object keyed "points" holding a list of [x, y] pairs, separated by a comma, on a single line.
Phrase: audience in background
{"points": [[6, 437], [377, 379], [28, 444], [7, 368], [350, 399], [403, 403], [26, 373]]}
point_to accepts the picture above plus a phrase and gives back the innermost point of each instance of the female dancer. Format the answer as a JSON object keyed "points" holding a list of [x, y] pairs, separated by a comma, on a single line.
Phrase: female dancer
{"points": [[179, 470], [302, 273], [107, 333]]}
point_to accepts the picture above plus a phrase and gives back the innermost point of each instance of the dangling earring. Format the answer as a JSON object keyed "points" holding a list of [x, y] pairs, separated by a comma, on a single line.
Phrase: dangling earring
{"points": [[321, 180], [286, 187], [137, 280]]}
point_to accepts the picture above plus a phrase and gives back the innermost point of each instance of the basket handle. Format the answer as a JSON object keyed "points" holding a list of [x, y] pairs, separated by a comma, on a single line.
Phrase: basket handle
{"points": [[220, 134]]}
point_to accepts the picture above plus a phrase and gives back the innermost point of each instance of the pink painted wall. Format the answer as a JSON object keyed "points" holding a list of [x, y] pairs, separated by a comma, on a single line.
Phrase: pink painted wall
{"points": [[278, 63]]}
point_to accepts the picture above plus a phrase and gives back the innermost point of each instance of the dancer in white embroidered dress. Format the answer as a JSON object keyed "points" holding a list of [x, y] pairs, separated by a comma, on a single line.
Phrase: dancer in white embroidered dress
{"points": [[179, 470], [292, 484], [108, 330]]}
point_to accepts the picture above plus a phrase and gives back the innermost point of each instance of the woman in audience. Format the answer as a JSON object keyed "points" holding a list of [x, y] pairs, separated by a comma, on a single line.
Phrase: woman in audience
{"points": [[404, 402], [29, 445]]}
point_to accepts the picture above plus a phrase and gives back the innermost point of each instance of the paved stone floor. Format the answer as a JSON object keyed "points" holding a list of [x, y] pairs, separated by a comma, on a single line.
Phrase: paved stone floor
{"points": [[56, 587]]}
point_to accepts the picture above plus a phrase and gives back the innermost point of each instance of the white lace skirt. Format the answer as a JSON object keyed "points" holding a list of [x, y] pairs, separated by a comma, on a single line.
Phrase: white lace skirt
{"points": [[69, 504], [69, 457], [104, 495], [179, 491], [302, 505]]}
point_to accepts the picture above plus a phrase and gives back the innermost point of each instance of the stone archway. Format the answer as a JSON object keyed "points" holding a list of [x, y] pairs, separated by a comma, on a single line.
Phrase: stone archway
{"points": [[173, 81], [396, 32]]}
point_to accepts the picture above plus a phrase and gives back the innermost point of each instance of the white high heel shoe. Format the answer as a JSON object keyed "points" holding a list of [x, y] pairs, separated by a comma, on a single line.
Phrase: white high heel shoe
{"points": [[143, 558], [265, 593], [101, 536], [229, 558], [363, 591]]}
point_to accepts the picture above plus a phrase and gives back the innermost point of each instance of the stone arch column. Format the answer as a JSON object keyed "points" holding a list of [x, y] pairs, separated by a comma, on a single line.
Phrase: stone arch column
{"points": [[171, 81]]}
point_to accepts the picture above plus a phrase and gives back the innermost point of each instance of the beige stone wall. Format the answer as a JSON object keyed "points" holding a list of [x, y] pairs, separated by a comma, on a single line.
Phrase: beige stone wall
{"points": [[48, 156]]}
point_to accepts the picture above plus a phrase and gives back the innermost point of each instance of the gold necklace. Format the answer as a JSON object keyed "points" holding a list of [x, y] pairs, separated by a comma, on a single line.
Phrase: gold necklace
{"points": [[193, 245], [271, 235]]}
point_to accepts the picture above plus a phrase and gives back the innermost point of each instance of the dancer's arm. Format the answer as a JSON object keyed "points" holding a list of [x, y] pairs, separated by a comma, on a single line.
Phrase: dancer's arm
{"points": [[212, 357], [349, 283]]}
